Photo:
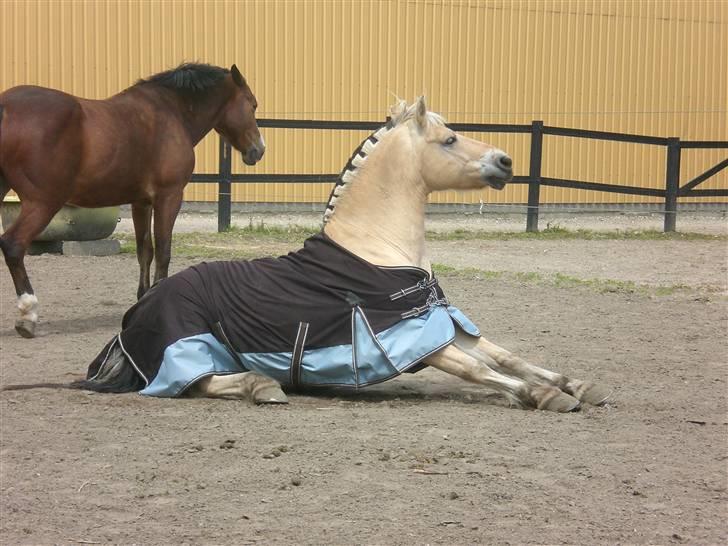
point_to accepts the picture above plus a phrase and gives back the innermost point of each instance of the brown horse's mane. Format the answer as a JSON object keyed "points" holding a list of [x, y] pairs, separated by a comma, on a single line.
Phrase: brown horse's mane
{"points": [[188, 77]]}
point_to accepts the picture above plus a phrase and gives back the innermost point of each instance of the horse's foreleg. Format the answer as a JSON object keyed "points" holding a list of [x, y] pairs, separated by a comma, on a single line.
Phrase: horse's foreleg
{"points": [[14, 242], [142, 215], [4, 187], [519, 393], [166, 209], [239, 386], [508, 363]]}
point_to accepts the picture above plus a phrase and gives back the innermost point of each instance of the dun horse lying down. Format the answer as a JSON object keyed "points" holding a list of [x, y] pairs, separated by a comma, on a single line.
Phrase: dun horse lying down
{"points": [[326, 314]]}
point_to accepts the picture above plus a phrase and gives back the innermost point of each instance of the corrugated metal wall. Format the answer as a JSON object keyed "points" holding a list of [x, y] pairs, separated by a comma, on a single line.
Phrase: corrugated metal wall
{"points": [[650, 67]]}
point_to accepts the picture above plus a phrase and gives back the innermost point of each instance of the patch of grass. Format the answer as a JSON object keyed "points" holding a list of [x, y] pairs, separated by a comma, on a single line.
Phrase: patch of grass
{"points": [[251, 241], [291, 233], [556, 232], [247, 243], [561, 280], [204, 249], [529, 276], [256, 240], [224, 245], [128, 246], [442, 269], [296, 234]]}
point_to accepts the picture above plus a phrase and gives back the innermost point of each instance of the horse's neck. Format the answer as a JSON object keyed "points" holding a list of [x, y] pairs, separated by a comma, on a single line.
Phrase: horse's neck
{"points": [[203, 113], [381, 218], [199, 113]]}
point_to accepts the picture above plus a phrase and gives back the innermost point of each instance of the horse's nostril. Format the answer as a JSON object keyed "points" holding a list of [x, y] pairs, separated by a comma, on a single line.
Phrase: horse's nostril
{"points": [[505, 161]]}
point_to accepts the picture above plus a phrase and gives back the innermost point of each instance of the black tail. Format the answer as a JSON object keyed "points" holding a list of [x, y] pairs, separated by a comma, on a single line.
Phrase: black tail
{"points": [[28, 386], [116, 374]]}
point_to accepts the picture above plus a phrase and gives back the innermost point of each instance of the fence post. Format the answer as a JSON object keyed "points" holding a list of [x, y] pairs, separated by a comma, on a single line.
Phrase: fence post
{"points": [[672, 183], [224, 186], [534, 173]]}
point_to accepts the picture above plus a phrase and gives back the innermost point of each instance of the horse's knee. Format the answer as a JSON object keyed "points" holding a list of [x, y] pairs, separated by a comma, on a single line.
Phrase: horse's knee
{"points": [[13, 251]]}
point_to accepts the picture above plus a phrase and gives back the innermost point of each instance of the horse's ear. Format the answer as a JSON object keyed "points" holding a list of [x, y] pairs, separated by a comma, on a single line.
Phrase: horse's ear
{"points": [[421, 112], [397, 109], [237, 76]]}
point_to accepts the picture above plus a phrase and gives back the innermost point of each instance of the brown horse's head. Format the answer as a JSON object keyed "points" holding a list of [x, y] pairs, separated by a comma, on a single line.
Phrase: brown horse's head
{"points": [[237, 122]]}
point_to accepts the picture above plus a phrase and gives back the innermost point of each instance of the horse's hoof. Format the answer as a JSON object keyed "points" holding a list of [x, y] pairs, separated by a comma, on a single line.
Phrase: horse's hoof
{"points": [[590, 393], [553, 399], [25, 328], [270, 395]]}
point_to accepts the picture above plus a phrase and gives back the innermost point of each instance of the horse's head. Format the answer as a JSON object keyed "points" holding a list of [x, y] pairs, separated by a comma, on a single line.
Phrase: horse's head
{"points": [[237, 122], [449, 161]]}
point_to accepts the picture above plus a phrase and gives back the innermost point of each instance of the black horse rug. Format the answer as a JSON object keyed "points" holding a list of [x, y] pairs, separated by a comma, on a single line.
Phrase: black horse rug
{"points": [[318, 316]]}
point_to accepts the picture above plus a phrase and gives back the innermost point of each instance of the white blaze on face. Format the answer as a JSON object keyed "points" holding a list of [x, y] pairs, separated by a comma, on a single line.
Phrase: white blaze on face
{"points": [[28, 306]]}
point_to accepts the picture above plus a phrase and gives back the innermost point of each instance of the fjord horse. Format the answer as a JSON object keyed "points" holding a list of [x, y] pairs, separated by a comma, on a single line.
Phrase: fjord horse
{"points": [[135, 147], [358, 304]]}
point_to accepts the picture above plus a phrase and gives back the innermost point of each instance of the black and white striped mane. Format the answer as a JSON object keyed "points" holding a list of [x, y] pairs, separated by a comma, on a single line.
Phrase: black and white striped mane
{"points": [[401, 113], [355, 161]]}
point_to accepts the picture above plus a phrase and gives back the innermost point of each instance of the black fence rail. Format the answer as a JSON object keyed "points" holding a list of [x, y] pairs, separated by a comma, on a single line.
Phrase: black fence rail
{"points": [[672, 190]]}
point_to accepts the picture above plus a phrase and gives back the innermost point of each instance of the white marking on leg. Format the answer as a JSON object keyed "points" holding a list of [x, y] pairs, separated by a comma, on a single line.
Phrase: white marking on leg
{"points": [[28, 307]]}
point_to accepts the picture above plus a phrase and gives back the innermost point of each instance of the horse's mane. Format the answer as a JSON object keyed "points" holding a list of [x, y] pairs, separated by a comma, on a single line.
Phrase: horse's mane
{"points": [[188, 77], [401, 113]]}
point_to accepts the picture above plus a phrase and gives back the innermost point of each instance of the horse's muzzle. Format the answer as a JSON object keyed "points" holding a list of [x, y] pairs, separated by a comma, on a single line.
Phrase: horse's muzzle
{"points": [[497, 169], [253, 155]]}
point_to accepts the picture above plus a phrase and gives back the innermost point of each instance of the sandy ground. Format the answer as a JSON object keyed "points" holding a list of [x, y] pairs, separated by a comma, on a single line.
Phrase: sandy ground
{"points": [[423, 459]]}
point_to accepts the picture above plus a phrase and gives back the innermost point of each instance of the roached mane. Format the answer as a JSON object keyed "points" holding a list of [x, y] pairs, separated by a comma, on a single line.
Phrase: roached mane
{"points": [[355, 161], [188, 77], [401, 113]]}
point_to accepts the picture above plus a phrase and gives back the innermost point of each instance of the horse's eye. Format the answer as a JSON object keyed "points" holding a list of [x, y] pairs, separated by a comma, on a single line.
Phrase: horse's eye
{"points": [[450, 141]]}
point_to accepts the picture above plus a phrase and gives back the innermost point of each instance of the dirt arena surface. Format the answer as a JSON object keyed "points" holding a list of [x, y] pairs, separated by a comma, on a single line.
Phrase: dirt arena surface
{"points": [[423, 459]]}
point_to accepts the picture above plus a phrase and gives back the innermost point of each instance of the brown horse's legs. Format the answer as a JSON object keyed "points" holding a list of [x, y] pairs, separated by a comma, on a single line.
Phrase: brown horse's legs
{"points": [[4, 188], [142, 215], [165, 213], [32, 219]]}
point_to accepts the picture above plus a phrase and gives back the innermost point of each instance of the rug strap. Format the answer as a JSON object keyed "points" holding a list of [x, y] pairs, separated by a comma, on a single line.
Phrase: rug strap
{"points": [[221, 336], [297, 355], [423, 285]]}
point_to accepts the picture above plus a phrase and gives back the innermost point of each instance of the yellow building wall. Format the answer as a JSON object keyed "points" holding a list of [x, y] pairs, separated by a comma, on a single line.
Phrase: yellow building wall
{"points": [[647, 67]]}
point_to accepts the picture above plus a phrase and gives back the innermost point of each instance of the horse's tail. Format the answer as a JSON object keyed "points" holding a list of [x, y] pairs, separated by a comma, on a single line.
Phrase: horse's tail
{"points": [[28, 386], [116, 374]]}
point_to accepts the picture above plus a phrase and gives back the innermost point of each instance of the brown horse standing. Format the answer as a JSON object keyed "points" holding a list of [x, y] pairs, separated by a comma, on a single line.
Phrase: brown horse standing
{"points": [[135, 147]]}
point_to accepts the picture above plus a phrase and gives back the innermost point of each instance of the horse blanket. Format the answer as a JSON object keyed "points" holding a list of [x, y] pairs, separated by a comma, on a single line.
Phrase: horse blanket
{"points": [[320, 316]]}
